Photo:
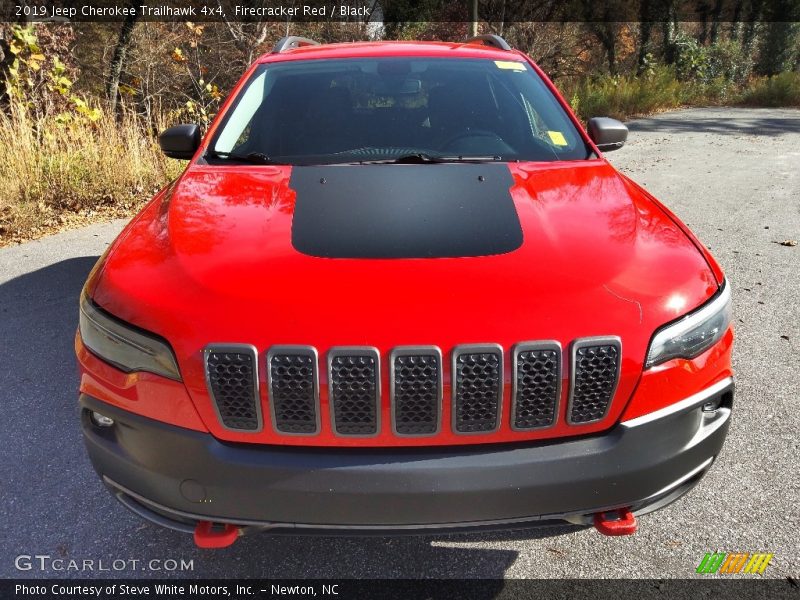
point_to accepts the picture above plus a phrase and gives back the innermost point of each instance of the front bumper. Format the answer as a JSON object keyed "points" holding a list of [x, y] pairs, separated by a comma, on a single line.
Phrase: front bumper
{"points": [[175, 475]]}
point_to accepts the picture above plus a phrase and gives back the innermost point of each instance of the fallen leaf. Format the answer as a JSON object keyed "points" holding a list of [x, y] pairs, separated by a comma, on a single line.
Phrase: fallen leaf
{"points": [[177, 55], [787, 243]]}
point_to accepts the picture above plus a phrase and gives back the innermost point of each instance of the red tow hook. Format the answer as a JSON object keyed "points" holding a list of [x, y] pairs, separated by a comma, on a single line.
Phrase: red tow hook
{"points": [[625, 524], [205, 536]]}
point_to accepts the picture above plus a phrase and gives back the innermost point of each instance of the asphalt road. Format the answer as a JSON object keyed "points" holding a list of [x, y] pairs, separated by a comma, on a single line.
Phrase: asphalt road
{"points": [[733, 175]]}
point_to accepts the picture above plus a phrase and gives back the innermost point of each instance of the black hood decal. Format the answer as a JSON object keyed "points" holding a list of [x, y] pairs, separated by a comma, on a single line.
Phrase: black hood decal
{"points": [[404, 211]]}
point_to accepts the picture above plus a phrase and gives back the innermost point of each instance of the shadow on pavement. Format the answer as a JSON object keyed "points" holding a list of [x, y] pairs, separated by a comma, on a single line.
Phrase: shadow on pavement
{"points": [[43, 463], [725, 126]]}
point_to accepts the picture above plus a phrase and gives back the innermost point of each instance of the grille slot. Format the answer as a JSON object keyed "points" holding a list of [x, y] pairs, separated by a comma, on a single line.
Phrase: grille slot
{"points": [[477, 384], [294, 389], [354, 389], [536, 373], [232, 378], [595, 373], [416, 390]]}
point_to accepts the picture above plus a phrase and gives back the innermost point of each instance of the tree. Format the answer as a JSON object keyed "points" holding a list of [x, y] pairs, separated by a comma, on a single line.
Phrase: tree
{"points": [[670, 30], [779, 47], [645, 31], [6, 58], [715, 15], [473, 17], [604, 29], [607, 34], [752, 25], [118, 60]]}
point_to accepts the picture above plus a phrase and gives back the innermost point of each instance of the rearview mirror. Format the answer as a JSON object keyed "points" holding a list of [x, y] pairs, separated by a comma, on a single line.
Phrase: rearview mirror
{"points": [[608, 134], [180, 141], [397, 88]]}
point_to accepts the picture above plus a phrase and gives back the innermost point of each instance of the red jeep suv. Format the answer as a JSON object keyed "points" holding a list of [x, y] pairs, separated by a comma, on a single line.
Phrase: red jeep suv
{"points": [[398, 287]]}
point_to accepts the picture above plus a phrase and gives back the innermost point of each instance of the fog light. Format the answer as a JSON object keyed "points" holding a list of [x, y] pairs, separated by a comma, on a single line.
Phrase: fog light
{"points": [[101, 420]]}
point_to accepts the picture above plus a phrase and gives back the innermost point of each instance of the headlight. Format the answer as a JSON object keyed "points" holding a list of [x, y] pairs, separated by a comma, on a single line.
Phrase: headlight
{"points": [[123, 345], [693, 334]]}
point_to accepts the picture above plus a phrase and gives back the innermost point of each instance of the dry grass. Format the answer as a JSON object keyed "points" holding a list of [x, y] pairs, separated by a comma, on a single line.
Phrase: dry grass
{"points": [[55, 174], [779, 90], [624, 97]]}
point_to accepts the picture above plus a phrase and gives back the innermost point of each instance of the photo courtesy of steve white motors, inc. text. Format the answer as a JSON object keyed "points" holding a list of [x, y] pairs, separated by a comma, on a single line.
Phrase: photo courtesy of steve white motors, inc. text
{"points": [[172, 590]]}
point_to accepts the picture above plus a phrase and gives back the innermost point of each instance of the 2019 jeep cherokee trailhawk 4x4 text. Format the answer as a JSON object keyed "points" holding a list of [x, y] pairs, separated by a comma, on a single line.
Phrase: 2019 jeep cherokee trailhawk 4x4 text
{"points": [[399, 288]]}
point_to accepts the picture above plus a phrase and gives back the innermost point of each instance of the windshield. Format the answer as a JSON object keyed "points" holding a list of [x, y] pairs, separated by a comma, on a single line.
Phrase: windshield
{"points": [[360, 110]]}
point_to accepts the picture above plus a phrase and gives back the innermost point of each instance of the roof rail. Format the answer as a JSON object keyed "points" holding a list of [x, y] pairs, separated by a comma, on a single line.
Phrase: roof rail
{"points": [[490, 39], [290, 42]]}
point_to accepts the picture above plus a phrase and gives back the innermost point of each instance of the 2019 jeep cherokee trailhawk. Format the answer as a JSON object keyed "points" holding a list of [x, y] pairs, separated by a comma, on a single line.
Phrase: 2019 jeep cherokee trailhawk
{"points": [[398, 287]]}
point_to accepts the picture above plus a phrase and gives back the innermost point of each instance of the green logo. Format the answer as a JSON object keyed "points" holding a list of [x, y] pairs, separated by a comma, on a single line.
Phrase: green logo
{"points": [[734, 562]]}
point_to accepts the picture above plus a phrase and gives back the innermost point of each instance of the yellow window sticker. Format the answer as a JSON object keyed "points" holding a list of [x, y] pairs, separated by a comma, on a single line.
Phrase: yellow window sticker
{"points": [[557, 138], [510, 64]]}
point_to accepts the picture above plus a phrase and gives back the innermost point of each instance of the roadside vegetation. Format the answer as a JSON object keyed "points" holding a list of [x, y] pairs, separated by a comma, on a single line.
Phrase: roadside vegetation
{"points": [[717, 74], [56, 174], [779, 90], [81, 104], [624, 97]]}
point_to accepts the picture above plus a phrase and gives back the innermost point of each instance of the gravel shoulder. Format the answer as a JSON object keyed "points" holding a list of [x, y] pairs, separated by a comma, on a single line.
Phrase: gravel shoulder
{"points": [[732, 174]]}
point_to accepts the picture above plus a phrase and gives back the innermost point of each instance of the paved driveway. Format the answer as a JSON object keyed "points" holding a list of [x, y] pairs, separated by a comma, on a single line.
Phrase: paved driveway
{"points": [[733, 175]]}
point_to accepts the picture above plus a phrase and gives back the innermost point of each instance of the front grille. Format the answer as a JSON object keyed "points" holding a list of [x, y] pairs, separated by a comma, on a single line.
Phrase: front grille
{"points": [[293, 389], [416, 378], [537, 385], [354, 389], [231, 374], [477, 388], [416, 390], [595, 372]]}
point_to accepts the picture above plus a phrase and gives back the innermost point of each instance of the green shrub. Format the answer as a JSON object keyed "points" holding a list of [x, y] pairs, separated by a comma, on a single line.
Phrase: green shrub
{"points": [[724, 61], [728, 60], [691, 59]]}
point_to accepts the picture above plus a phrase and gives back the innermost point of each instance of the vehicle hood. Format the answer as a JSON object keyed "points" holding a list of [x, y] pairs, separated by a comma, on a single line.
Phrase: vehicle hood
{"points": [[214, 258]]}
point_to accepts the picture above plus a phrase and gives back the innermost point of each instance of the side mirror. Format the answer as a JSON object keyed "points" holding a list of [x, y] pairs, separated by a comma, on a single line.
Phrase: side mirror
{"points": [[607, 134], [180, 141]]}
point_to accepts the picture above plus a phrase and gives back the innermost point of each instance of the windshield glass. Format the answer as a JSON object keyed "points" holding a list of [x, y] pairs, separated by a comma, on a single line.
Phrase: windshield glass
{"points": [[357, 110]]}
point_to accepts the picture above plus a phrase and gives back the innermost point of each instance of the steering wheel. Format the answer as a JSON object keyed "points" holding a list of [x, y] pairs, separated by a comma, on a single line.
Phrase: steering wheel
{"points": [[499, 147]]}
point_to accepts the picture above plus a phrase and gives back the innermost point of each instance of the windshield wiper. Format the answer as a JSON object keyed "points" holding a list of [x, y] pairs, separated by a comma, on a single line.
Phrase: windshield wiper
{"points": [[420, 158], [256, 158], [427, 158]]}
